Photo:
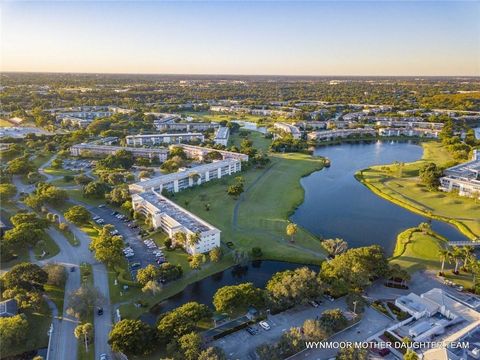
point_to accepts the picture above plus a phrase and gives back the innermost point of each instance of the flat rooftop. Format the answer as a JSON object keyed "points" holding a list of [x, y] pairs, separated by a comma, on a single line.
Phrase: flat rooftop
{"points": [[222, 133], [163, 179], [164, 135], [469, 170], [117, 148], [182, 216]]}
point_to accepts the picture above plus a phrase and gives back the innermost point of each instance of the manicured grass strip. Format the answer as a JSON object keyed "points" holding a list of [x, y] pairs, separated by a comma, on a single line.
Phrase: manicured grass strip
{"points": [[86, 277], [46, 246]]}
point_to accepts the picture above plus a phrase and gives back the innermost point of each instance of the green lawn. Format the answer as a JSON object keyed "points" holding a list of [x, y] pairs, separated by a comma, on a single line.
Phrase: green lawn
{"points": [[262, 211], [78, 195], [416, 251], [402, 186], [59, 172], [57, 295], [86, 276], [258, 140], [46, 245], [213, 116]]}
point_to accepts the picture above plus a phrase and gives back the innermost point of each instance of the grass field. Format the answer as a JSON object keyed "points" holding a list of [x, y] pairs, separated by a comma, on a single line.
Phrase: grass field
{"points": [[402, 186], [59, 172], [46, 245], [416, 251], [212, 116]]}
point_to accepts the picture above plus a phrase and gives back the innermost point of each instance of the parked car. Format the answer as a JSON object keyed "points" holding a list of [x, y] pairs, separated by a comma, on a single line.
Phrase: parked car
{"points": [[135, 265], [264, 325], [250, 330], [313, 303], [100, 311], [103, 357]]}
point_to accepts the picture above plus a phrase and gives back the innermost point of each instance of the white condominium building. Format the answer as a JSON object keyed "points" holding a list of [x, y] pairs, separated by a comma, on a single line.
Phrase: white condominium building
{"points": [[409, 124], [288, 128], [154, 139], [222, 135], [464, 178], [199, 152], [95, 149], [410, 132], [181, 180], [172, 218], [343, 133]]}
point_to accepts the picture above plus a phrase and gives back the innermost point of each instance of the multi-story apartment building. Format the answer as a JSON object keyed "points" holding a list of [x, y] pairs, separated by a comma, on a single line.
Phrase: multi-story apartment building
{"points": [[181, 180], [84, 115], [95, 149], [154, 139], [410, 132], [162, 125], [199, 152], [464, 178], [172, 218], [409, 124], [222, 135], [342, 133], [289, 129]]}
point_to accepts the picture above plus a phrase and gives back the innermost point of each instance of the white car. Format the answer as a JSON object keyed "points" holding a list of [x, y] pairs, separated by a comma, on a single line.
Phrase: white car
{"points": [[264, 325]]}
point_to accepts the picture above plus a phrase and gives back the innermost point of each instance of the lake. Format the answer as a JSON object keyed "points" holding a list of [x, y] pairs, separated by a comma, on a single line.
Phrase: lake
{"points": [[336, 205]]}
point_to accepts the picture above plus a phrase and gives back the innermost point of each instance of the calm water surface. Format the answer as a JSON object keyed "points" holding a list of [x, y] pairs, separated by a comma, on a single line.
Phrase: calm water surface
{"points": [[337, 205]]}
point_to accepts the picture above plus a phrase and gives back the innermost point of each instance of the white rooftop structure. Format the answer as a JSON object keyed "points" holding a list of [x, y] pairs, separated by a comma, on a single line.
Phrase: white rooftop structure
{"points": [[222, 135]]}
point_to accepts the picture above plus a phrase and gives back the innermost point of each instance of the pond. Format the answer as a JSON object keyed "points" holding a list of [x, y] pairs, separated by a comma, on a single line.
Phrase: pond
{"points": [[336, 205]]}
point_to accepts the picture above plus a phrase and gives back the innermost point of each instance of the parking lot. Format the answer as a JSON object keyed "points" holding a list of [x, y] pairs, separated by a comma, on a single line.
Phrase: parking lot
{"points": [[242, 345], [142, 254], [77, 164]]}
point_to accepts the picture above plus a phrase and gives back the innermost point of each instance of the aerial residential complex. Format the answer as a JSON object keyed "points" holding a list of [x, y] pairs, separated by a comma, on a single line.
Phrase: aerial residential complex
{"points": [[181, 180], [83, 116], [464, 178], [289, 129], [410, 132], [222, 135], [170, 122], [95, 149], [338, 134], [154, 139], [170, 217]]}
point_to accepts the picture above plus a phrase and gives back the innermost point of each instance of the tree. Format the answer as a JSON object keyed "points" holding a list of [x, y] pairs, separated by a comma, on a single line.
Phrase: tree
{"points": [[237, 187], [430, 174], [455, 256], [313, 331], [118, 195], [410, 355], [169, 272], [291, 230], [351, 353], [257, 252], [212, 353], [196, 261], [85, 331], [82, 300], [237, 298], [333, 320], [193, 239], [78, 215], [28, 276], [149, 273], [56, 274], [19, 166], [291, 287], [132, 337], [57, 164], [7, 191], [181, 320], [291, 341], [95, 189], [13, 332], [444, 255], [179, 238], [190, 345], [108, 248], [215, 254], [82, 179], [335, 246]]}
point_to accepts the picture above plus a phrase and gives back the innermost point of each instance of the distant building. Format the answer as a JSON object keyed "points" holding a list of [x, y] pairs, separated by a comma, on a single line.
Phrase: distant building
{"points": [[409, 132], [222, 135], [339, 134], [8, 308], [162, 125], [181, 180], [155, 139], [84, 115], [200, 152], [89, 148], [288, 129], [463, 178], [172, 218]]}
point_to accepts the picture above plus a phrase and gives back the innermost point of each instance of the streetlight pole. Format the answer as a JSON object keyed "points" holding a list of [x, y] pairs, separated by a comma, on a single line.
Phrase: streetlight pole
{"points": [[355, 307]]}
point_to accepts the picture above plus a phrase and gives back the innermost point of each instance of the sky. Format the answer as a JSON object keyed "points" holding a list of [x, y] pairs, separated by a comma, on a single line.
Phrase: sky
{"points": [[249, 38]]}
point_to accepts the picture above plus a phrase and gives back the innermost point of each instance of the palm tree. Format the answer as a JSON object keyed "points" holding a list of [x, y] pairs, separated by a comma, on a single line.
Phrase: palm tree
{"points": [[456, 255], [475, 269], [467, 251], [180, 238], [444, 255], [291, 230], [193, 239], [84, 330]]}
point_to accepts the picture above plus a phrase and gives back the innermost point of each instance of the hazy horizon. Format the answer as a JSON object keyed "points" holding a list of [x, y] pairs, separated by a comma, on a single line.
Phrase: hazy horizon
{"points": [[342, 39]]}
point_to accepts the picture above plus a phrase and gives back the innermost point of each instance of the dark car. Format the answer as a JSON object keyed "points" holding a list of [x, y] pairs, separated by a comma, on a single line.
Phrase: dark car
{"points": [[72, 269], [100, 311], [250, 330]]}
